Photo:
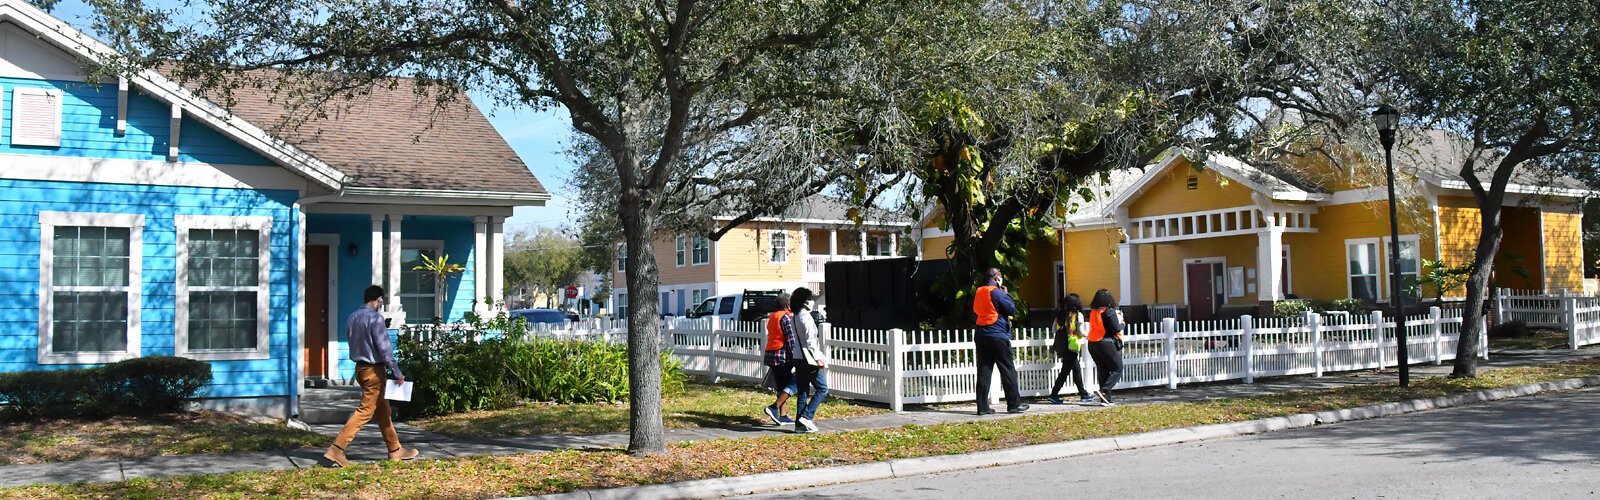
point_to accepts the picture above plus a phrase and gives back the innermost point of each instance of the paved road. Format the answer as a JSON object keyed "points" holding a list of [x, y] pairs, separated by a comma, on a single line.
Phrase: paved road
{"points": [[1540, 447]]}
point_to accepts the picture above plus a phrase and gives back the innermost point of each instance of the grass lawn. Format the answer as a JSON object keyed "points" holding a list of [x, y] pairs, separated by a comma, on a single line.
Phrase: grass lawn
{"points": [[1542, 338], [131, 437], [725, 404], [531, 474]]}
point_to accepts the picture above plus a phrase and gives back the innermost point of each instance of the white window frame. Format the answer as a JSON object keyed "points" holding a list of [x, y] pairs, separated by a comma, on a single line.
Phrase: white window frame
{"points": [[681, 247], [622, 258], [774, 255], [1288, 276], [1384, 261], [438, 250], [54, 94], [1350, 291], [701, 251], [47, 223], [620, 305], [263, 288]]}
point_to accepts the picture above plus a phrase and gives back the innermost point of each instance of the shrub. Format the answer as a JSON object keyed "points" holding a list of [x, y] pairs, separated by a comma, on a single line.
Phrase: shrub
{"points": [[1352, 306], [44, 393], [155, 384], [458, 372], [1290, 308], [1513, 328]]}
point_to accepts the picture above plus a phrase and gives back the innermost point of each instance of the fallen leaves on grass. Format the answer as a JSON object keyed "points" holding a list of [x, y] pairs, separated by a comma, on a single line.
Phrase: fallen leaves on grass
{"points": [[141, 437], [560, 471]]}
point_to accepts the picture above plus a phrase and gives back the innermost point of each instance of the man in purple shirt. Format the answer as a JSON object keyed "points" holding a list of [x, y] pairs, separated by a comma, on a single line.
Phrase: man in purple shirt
{"points": [[370, 349]]}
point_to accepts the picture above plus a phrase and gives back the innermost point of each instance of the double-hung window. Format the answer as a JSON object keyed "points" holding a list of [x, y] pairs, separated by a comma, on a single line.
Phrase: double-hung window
{"points": [[89, 294], [702, 250], [622, 305], [1410, 264], [419, 290], [681, 251], [622, 258], [222, 287], [780, 247], [1362, 258]]}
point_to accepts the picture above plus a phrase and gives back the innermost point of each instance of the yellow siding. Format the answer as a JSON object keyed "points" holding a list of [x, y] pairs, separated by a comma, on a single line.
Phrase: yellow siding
{"points": [[1563, 249], [1162, 265], [937, 248], [665, 248], [1317, 260], [1038, 287], [746, 255], [1170, 193], [1092, 262]]}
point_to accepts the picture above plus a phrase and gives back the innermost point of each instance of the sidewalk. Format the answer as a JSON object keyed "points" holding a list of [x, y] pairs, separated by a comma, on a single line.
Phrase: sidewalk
{"points": [[368, 445]]}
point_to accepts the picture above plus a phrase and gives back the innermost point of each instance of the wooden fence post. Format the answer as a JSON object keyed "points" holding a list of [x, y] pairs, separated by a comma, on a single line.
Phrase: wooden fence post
{"points": [[897, 370], [1169, 328], [711, 350], [1248, 331], [1435, 317], [1377, 333], [1314, 321]]}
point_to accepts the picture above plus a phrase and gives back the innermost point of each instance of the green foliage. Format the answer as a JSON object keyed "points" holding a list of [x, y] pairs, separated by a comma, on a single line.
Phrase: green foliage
{"points": [[458, 370], [147, 385], [1352, 306], [1441, 277], [1291, 308], [545, 262]]}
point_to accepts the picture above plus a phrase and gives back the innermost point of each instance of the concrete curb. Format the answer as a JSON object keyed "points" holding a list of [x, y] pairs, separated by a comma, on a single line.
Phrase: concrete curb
{"points": [[787, 480]]}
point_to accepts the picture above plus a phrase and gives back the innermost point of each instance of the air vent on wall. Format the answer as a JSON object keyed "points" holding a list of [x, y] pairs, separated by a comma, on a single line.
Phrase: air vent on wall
{"points": [[35, 117]]}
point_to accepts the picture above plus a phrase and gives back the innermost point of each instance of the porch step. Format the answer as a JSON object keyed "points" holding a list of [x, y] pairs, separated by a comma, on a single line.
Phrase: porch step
{"points": [[331, 393]]}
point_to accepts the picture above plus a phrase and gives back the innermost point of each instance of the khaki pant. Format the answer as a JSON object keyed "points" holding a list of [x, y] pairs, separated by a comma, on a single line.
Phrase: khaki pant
{"points": [[372, 403]]}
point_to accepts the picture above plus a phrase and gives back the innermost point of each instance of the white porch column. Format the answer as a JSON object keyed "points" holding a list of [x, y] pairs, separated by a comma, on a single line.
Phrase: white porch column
{"points": [[894, 245], [1269, 264], [393, 284], [376, 250], [480, 261], [497, 257], [1128, 255], [833, 243], [862, 250]]}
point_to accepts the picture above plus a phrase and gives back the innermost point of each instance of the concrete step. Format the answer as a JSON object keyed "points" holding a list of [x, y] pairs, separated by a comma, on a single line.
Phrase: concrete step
{"points": [[331, 393], [326, 412]]}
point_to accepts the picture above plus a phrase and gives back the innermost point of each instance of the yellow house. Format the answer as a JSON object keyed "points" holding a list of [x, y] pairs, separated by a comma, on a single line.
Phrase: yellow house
{"points": [[1196, 241], [768, 253]]}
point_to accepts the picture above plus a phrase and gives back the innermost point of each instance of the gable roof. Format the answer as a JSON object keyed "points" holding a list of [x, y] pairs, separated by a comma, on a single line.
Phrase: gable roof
{"points": [[69, 39], [1276, 185], [1436, 156], [395, 137], [392, 142]]}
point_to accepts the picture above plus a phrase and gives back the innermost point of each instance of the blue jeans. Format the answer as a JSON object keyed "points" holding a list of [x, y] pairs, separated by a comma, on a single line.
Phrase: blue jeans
{"points": [[808, 377]]}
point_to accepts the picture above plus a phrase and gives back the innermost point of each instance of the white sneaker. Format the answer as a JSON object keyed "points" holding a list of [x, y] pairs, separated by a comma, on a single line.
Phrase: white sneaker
{"points": [[806, 425]]}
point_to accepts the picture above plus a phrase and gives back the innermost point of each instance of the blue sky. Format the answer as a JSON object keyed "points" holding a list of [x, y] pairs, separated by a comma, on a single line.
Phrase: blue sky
{"points": [[538, 137]]}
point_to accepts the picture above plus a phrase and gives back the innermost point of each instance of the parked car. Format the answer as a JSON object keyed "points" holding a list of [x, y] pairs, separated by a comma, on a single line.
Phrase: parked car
{"points": [[536, 317], [749, 305]]}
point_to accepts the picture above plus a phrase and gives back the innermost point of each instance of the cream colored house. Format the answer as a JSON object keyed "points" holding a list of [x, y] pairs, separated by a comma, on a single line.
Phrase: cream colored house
{"points": [[768, 253]]}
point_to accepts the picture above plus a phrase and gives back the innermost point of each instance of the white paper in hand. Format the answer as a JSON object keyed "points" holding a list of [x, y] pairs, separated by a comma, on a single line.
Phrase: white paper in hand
{"points": [[397, 392]]}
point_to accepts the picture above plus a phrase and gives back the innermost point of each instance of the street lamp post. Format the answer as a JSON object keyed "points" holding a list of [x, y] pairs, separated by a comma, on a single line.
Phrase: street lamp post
{"points": [[1387, 118]]}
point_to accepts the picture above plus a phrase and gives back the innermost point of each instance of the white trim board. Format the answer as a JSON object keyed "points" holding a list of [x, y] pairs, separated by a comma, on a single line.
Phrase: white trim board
{"points": [[147, 172], [405, 209], [263, 289], [48, 220]]}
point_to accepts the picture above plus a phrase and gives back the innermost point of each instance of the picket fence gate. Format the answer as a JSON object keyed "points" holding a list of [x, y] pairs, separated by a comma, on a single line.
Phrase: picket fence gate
{"points": [[1578, 315]]}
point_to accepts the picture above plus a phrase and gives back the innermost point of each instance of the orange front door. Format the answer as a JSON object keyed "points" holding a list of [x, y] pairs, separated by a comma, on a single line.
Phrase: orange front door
{"points": [[317, 325]]}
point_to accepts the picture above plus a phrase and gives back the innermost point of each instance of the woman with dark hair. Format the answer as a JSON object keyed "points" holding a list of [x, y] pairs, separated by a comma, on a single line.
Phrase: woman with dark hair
{"points": [[811, 361], [1069, 327], [1105, 342]]}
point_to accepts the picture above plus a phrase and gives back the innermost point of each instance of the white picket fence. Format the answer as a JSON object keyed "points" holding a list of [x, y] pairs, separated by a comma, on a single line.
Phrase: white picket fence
{"points": [[1578, 315], [899, 367]]}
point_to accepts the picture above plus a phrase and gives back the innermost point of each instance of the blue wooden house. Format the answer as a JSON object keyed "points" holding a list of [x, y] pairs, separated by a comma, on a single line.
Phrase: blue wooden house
{"points": [[138, 218]]}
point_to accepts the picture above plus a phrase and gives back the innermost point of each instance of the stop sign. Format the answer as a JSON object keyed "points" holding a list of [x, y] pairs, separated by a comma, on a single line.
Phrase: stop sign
{"points": [[572, 291]]}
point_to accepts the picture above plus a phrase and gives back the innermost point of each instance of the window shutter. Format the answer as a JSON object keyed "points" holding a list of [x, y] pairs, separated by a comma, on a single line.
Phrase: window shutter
{"points": [[35, 117]]}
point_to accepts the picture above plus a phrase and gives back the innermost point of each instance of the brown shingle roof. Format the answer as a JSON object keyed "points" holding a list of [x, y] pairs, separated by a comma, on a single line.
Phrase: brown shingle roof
{"points": [[396, 138]]}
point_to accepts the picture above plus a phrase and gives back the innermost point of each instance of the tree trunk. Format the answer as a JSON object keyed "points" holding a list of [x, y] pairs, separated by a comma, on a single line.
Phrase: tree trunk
{"points": [[1466, 363], [646, 435]]}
